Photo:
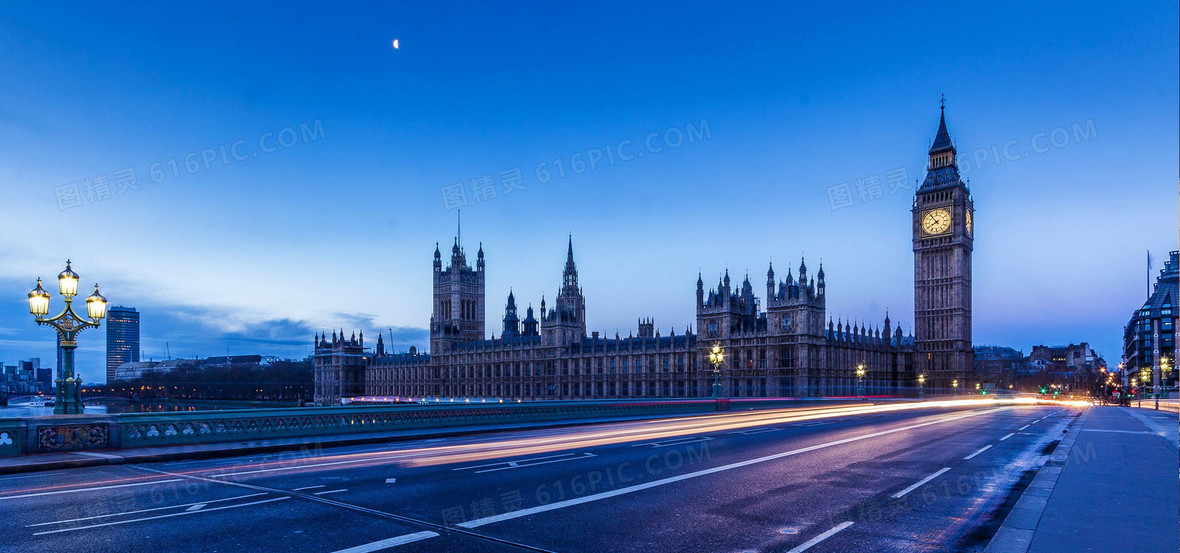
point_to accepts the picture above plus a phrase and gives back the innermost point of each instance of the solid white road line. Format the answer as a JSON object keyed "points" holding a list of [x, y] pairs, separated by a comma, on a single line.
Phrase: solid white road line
{"points": [[655, 483], [96, 455], [674, 441], [147, 510], [919, 483], [307, 488], [811, 542], [754, 431], [1008, 436], [38, 494], [977, 452], [1124, 431], [391, 542], [330, 491], [157, 517], [310, 465], [520, 463]]}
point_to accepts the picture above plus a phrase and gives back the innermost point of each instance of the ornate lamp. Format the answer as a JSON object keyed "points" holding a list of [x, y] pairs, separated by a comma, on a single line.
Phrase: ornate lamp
{"points": [[68, 324], [716, 358]]}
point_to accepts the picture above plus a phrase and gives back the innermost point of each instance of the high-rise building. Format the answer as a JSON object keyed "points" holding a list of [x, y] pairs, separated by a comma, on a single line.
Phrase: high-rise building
{"points": [[1152, 332], [122, 338], [943, 240]]}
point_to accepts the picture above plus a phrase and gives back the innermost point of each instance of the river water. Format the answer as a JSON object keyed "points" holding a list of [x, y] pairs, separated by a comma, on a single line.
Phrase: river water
{"points": [[20, 408]]}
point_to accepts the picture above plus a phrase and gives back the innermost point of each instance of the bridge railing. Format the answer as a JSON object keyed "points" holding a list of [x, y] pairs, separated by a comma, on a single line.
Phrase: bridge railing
{"points": [[136, 430]]}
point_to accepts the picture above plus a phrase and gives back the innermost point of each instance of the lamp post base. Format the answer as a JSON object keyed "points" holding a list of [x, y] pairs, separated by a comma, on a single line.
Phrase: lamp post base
{"points": [[69, 398]]}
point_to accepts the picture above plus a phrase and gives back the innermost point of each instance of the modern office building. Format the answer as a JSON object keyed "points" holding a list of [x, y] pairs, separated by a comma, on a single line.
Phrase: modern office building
{"points": [[122, 338], [1151, 334]]}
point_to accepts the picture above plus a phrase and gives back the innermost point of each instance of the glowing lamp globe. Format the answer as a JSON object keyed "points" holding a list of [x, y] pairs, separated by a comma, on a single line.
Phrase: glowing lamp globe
{"points": [[96, 305], [68, 281], [39, 301]]}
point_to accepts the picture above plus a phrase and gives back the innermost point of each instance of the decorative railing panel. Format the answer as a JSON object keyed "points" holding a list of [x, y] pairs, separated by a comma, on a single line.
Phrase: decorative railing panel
{"points": [[131, 430], [145, 430]]}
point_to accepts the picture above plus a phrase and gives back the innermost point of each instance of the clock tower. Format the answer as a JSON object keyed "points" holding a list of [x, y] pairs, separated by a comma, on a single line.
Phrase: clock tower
{"points": [[944, 232]]}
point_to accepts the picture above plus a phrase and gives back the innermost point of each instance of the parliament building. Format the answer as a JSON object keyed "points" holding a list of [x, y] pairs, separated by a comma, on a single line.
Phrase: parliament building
{"points": [[785, 345]]}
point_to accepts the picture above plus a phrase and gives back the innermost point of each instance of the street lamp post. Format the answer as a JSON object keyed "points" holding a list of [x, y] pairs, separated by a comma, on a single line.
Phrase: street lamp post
{"points": [[860, 380], [1105, 379], [1144, 375], [1164, 370], [1123, 386], [955, 386], [921, 386], [716, 358], [68, 324]]}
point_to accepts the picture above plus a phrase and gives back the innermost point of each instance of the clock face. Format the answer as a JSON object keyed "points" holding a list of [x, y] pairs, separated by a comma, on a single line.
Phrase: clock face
{"points": [[936, 221], [969, 230]]}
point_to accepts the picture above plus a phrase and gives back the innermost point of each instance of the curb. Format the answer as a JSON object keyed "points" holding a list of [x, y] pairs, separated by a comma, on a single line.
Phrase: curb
{"points": [[1015, 535]]}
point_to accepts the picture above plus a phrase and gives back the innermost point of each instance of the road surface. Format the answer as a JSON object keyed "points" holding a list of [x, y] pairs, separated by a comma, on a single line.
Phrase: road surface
{"points": [[835, 479]]}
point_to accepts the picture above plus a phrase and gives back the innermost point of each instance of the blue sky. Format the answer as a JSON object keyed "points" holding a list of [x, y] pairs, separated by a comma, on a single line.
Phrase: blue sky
{"points": [[306, 230]]}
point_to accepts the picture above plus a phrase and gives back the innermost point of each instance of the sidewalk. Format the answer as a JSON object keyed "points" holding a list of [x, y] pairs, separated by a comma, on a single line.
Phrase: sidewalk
{"points": [[1111, 485]]}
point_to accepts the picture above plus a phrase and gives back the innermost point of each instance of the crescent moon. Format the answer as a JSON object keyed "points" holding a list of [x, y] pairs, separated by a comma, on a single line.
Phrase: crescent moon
{"points": [[395, 44]]}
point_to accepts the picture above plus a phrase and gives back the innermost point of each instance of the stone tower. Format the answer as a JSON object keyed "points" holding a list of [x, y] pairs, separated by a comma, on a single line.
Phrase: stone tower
{"points": [[339, 367], [458, 300], [566, 322], [943, 236], [725, 311], [511, 327]]}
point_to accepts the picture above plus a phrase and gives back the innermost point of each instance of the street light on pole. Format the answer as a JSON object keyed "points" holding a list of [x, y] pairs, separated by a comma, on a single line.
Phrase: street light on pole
{"points": [[68, 324], [1123, 399], [1144, 376], [955, 386], [716, 358], [921, 386], [860, 380], [1164, 370]]}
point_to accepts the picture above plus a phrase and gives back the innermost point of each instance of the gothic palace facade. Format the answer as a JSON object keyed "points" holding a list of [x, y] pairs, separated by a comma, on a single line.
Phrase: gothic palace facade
{"points": [[785, 346]]}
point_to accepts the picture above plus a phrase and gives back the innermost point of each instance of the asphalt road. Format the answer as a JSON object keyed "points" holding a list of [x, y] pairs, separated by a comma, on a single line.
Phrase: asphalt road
{"points": [[832, 479]]}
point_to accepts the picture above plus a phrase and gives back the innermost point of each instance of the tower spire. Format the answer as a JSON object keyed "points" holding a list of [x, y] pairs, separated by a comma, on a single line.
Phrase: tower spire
{"points": [[942, 139], [570, 274], [942, 169]]}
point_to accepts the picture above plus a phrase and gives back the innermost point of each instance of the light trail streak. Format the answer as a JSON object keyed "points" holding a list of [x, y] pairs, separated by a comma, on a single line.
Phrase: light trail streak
{"points": [[615, 434]]}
